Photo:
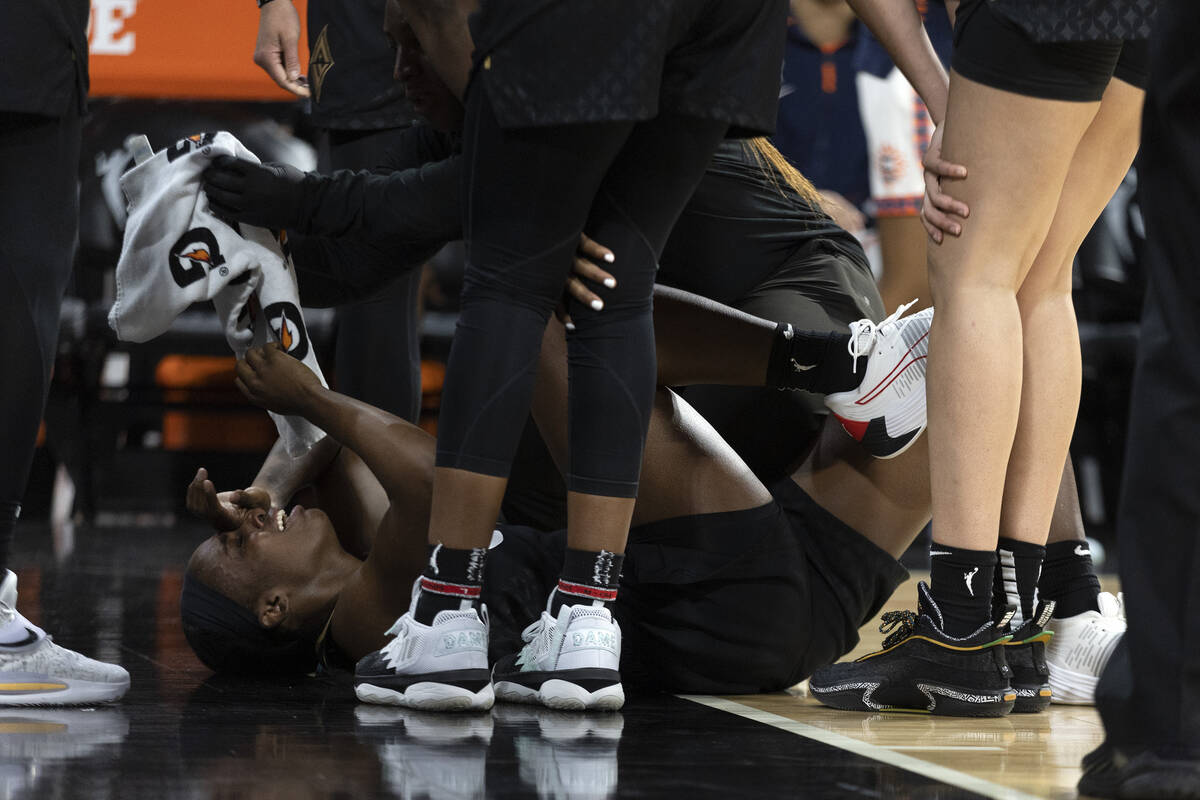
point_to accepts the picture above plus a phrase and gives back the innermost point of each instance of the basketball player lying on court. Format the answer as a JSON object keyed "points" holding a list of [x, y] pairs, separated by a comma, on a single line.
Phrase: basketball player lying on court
{"points": [[795, 289], [728, 585]]}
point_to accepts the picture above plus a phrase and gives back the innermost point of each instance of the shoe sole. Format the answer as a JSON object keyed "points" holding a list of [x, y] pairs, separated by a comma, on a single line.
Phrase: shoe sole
{"points": [[949, 701], [1071, 688], [1032, 699], [874, 438], [562, 695], [428, 696], [61, 692]]}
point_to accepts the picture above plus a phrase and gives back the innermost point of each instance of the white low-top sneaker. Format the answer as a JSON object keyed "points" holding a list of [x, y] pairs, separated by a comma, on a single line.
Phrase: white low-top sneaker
{"points": [[1080, 649], [886, 413], [571, 662], [438, 667], [34, 671]]}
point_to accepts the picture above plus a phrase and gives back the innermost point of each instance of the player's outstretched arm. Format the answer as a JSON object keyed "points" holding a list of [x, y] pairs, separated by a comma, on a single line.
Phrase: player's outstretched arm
{"points": [[400, 454]]}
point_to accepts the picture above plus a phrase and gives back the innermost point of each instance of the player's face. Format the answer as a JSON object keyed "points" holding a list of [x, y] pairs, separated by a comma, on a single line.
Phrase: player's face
{"points": [[271, 551], [428, 94]]}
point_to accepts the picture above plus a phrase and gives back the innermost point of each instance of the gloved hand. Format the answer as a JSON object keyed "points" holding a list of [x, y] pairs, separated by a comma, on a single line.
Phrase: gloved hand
{"points": [[266, 195]]}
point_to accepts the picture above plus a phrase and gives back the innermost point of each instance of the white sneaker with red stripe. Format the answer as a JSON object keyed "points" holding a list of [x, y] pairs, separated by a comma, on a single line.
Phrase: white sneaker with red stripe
{"points": [[438, 667], [569, 662], [886, 413]]}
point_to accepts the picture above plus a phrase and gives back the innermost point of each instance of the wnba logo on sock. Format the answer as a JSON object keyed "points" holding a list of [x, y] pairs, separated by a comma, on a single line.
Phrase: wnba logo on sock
{"points": [[285, 321]]}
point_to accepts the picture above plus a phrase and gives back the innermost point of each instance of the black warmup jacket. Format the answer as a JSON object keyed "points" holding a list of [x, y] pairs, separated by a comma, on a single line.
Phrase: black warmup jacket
{"points": [[43, 56]]}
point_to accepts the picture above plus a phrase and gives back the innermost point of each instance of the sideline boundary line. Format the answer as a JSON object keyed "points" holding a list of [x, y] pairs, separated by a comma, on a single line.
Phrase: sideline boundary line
{"points": [[930, 770]]}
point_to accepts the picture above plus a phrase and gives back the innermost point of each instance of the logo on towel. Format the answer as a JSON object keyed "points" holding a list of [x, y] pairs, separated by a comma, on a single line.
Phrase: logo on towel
{"points": [[194, 255], [284, 247], [185, 146], [288, 326]]}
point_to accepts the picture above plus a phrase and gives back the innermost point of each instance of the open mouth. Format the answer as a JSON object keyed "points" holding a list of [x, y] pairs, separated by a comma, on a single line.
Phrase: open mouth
{"points": [[283, 519]]}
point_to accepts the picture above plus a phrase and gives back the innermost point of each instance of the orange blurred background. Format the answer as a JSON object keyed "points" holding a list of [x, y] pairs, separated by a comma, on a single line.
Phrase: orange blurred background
{"points": [[180, 49]]}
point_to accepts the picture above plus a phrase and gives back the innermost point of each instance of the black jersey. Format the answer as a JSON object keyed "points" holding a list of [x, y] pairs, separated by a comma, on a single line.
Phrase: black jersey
{"points": [[350, 68], [739, 228], [554, 62], [1080, 20]]}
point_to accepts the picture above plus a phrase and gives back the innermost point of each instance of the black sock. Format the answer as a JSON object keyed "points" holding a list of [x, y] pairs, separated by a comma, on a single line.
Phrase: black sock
{"points": [[588, 577], [9, 512], [451, 581], [1017, 579], [815, 362], [1069, 579], [960, 581]]}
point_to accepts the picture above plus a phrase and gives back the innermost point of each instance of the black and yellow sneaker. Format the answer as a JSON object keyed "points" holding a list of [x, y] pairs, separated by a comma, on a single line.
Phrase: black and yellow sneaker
{"points": [[922, 669], [1025, 653]]}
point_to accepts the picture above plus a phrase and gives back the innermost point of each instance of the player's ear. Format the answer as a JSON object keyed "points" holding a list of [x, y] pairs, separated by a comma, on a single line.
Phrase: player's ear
{"points": [[272, 608]]}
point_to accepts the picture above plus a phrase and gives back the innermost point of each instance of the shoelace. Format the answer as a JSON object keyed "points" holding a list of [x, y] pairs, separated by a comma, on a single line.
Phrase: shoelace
{"points": [[537, 637], [394, 649], [864, 332], [900, 624]]}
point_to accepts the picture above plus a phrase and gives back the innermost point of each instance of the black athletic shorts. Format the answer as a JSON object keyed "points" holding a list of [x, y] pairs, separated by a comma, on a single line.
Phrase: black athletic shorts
{"points": [[731, 603], [993, 50], [555, 62], [824, 286]]}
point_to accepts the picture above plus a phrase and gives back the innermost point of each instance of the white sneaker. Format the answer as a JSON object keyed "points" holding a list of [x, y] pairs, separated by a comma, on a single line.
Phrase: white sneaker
{"points": [[438, 667], [886, 413], [1080, 649], [34, 671], [568, 663]]}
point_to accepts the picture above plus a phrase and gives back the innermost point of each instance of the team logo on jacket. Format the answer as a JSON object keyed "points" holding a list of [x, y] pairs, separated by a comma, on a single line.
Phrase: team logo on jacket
{"points": [[194, 255], [320, 61], [288, 326], [185, 146]]}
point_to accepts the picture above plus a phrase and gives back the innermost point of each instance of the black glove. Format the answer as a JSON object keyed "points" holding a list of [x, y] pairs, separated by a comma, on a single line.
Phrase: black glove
{"points": [[266, 195]]}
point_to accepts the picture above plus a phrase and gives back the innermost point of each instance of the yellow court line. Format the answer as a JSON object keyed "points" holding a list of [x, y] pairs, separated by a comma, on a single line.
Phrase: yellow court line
{"points": [[930, 770]]}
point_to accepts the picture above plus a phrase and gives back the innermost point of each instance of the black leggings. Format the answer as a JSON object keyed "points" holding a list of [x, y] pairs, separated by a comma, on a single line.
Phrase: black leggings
{"points": [[378, 357], [529, 193], [39, 217]]}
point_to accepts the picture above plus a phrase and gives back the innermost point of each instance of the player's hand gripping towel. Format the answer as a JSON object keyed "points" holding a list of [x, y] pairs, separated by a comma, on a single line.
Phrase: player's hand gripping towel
{"points": [[176, 253]]}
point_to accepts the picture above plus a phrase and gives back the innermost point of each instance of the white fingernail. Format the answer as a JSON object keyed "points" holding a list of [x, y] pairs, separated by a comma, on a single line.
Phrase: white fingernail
{"points": [[610, 283], [570, 326], [597, 305], [609, 257]]}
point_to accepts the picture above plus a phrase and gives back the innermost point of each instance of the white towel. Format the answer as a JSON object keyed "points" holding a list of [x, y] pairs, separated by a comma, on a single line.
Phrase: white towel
{"points": [[176, 253]]}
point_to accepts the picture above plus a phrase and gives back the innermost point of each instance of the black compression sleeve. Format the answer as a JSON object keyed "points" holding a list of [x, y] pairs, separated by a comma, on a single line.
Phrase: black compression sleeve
{"points": [[412, 205], [334, 272]]}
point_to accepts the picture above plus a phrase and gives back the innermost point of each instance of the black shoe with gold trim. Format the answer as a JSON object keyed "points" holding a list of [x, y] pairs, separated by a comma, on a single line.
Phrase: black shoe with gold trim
{"points": [[921, 669], [1025, 653]]}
